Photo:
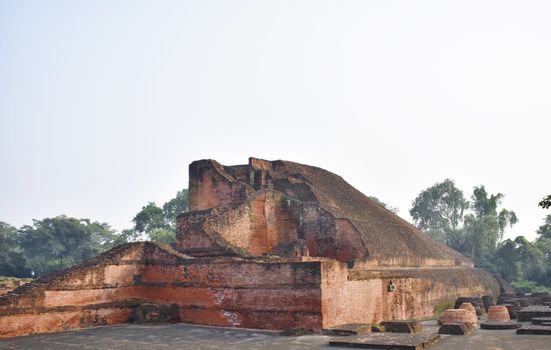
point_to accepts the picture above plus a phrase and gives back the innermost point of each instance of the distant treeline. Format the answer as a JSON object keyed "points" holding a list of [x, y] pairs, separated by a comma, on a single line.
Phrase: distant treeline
{"points": [[55, 243]]}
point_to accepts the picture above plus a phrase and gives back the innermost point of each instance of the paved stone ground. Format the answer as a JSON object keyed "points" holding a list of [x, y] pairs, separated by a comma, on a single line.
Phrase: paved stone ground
{"points": [[182, 336]]}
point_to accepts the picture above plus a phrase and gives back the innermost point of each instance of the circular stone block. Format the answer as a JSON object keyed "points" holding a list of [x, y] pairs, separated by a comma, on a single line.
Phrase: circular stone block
{"points": [[457, 316], [468, 306], [498, 313], [475, 301]]}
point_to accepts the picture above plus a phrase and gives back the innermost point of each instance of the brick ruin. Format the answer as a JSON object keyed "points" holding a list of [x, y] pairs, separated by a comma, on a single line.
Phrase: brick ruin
{"points": [[269, 244]]}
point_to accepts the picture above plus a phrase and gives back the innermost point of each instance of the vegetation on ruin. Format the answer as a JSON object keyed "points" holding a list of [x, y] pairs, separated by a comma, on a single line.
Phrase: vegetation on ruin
{"points": [[475, 228], [443, 306], [393, 209]]}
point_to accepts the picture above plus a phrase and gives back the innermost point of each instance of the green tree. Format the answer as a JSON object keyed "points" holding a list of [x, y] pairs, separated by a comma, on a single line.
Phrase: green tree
{"points": [[151, 217], [176, 206], [506, 261], [545, 203], [485, 205], [543, 242], [54, 243], [544, 231], [484, 226], [12, 261], [163, 235], [474, 228], [439, 211], [531, 259], [158, 224]]}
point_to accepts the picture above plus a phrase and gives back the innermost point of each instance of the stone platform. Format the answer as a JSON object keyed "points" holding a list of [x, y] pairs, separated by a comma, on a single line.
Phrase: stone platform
{"points": [[398, 341], [535, 330], [185, 336], [527, 313], [499, 325], [348, 329], [540, 320]]}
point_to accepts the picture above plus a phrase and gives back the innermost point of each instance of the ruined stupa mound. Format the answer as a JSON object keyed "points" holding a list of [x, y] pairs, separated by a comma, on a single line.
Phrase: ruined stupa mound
{"points": [[268, 244], [280, 201]]}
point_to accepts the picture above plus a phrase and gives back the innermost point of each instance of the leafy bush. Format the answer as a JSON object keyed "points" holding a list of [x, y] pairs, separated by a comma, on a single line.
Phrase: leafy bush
{"points": [[529, 286]]}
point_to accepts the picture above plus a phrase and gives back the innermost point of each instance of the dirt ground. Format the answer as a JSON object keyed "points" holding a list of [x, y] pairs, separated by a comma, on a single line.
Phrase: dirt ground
{"points": [[184, 336]]}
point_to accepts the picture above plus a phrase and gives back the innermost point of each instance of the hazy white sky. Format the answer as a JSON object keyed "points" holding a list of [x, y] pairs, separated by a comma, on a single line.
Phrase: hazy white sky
{"points": [[103, 104]]}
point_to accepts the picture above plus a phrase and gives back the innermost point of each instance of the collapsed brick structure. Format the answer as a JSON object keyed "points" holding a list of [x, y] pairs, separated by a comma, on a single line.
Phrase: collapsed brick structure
{"points": [[269, 245]]}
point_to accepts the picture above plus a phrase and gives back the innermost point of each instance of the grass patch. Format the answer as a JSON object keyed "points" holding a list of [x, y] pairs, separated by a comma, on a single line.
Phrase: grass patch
{"points": [[443, 306]]}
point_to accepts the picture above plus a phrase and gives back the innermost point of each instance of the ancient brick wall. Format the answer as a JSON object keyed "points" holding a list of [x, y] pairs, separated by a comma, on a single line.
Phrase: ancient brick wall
{"points": [[211, 186], [102, 292], [419, 291], [338, 249], [247, 213], [249, 294], [362, 296], [408, 261], [345, 301], [330, 237], [212, 291], [269, 293]]}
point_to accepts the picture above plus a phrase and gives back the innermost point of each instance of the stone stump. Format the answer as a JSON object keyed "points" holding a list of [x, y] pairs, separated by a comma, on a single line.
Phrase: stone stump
{"points": [[498, 313], [468, 306], [457, 316], [475, 301]]}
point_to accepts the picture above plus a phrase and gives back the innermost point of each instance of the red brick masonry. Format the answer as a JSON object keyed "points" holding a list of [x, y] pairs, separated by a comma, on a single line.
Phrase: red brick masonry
{"points": [[270, 245]]}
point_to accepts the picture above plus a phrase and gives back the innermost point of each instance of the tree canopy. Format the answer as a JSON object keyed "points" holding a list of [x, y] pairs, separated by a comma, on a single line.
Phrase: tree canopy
{"points": [[12, 261], [545, 203], [472, 227], [158, 224], [476, 229], [54, 243], [439, 211]]}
